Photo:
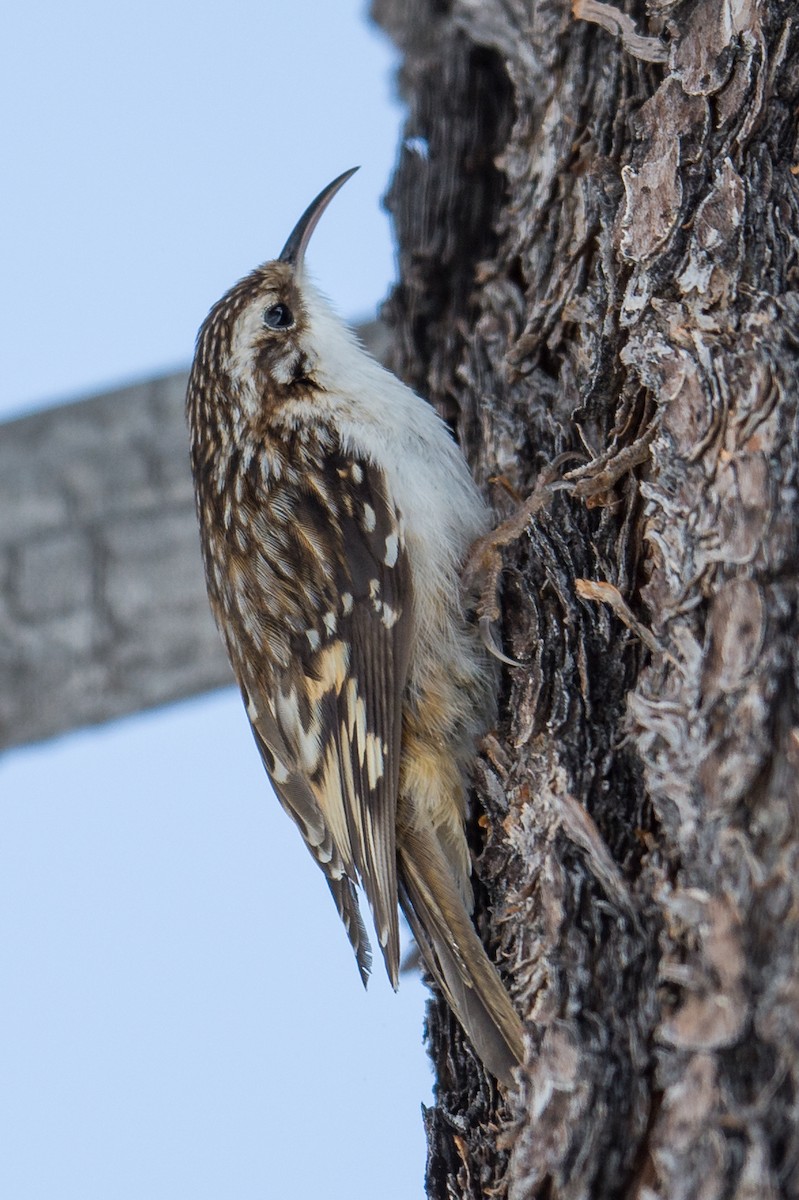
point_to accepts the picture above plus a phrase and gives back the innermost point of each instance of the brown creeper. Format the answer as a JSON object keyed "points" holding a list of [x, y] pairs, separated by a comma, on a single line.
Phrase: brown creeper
{"points": [[335, 512]]}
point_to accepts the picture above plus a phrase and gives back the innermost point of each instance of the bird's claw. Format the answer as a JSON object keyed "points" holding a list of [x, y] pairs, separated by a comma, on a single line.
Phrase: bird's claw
{"points": [[487, 638], [483, 565]]}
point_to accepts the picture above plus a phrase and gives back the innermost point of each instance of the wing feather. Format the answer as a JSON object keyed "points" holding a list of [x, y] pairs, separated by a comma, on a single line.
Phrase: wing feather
{"points": [[329, 723], [299, 802]]}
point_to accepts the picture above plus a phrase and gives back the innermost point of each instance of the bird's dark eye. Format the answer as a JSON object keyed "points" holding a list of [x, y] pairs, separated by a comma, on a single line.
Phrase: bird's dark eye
{"points": [[278, 316]]}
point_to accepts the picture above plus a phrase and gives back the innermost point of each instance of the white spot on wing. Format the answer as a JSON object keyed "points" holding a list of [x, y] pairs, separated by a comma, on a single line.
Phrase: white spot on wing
{"points": [[280, 772], [392, 550], [374, 596], [356, 720], [346, 603], [374, 759], [369, 518], [306, 744], [314, 640], [390, 616]]}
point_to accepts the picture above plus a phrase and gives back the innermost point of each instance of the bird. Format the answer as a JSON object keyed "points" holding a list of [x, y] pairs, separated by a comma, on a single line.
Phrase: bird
{"points": [[335, 513]]}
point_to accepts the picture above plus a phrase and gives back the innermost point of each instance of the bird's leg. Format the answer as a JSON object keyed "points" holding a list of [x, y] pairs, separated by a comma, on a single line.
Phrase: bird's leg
{"points": [[483, 566], [588, 482]]}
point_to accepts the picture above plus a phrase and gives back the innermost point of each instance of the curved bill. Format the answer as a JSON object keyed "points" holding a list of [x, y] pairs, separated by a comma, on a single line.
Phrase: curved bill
{"points": [[294, 250]]}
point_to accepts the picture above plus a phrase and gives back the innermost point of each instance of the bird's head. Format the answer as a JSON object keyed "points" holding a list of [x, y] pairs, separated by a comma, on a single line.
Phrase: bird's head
{"points": [[262, 343]]}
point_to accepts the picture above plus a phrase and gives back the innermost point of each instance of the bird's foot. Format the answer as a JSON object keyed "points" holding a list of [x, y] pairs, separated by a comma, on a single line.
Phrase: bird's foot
{"points": [[483, 566]]}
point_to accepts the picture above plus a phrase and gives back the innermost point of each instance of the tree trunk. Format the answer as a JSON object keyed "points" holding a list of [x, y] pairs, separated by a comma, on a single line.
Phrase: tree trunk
{"points": [[598, 254]]}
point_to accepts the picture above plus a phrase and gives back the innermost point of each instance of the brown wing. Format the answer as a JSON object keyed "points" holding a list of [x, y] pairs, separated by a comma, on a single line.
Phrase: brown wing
{"points": [[329, 721], [299, 802]]}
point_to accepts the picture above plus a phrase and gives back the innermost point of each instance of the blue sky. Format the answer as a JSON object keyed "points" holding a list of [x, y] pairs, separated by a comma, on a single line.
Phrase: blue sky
{"points": [[180, 1014]]}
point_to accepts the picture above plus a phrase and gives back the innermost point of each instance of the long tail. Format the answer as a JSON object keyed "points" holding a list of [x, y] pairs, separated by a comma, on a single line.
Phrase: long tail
{"points": [[454, 954]]}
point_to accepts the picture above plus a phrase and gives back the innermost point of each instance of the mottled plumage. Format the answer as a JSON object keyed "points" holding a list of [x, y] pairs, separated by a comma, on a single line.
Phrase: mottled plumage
{"points": [[335, 512]]}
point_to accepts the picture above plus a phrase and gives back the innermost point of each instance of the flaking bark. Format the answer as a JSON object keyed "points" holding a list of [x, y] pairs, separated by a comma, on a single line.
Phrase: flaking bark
{"points": [[599, 254]]}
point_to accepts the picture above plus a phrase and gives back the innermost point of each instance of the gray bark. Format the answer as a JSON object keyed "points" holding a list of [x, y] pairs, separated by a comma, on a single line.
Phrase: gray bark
{"points": [[599, 254], [103, 604]]}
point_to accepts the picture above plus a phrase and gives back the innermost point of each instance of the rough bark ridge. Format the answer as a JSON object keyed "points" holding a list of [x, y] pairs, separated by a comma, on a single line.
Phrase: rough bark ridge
{"points": [[599, 254]]}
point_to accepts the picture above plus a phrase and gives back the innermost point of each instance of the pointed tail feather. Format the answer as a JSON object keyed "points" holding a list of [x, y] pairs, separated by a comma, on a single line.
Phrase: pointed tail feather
{"points": [[455, 956], [349, 910]]}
